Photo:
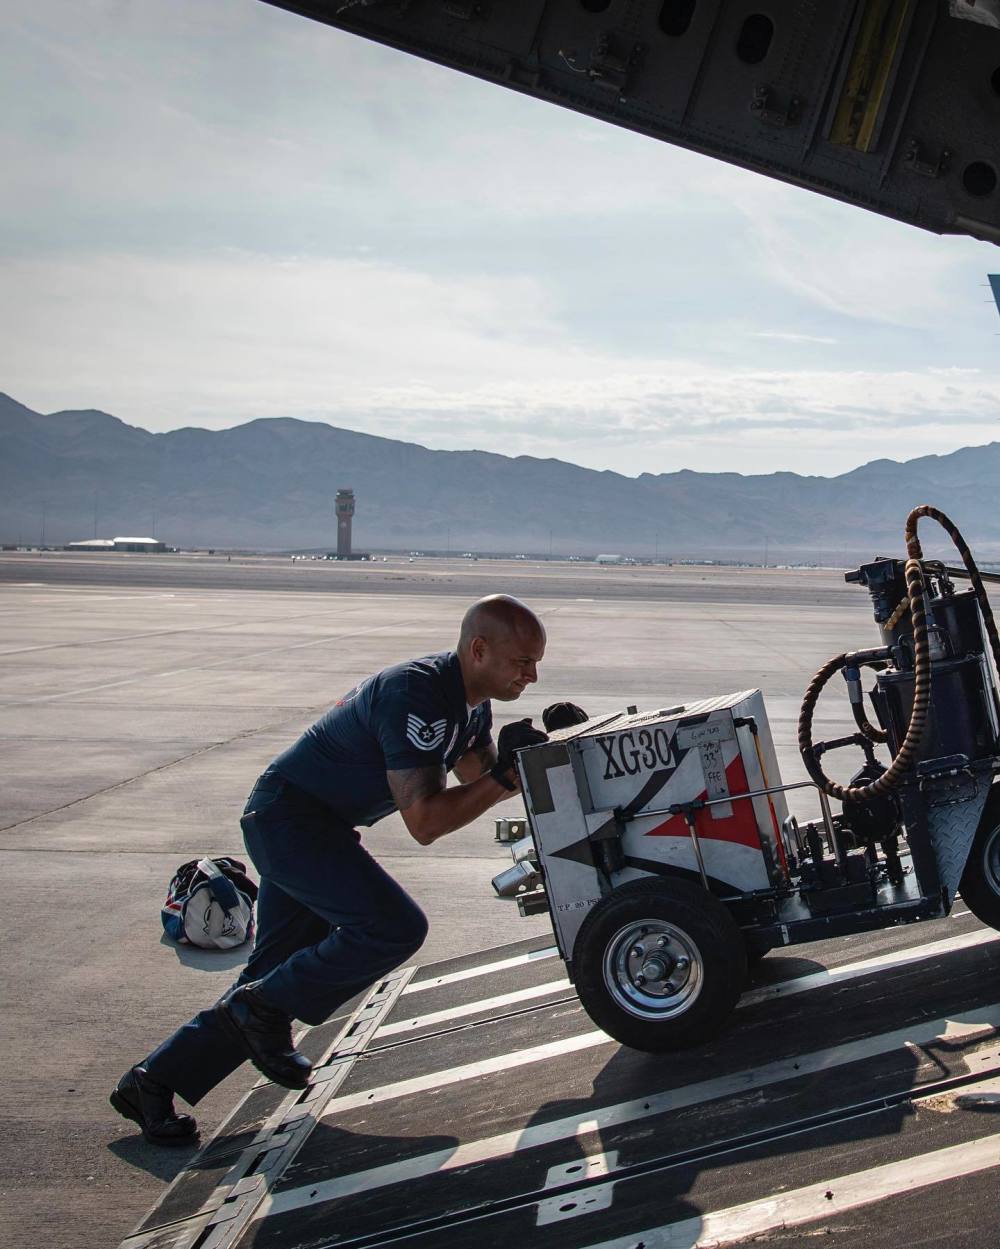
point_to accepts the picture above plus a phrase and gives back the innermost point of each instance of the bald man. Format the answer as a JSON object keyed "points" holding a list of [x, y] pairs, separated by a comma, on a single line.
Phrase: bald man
{"points": [[330, 920]]}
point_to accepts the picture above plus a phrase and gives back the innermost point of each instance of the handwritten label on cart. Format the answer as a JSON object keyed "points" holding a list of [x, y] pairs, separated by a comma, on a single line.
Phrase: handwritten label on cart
{"points": [[707, 739], [720, 730]]}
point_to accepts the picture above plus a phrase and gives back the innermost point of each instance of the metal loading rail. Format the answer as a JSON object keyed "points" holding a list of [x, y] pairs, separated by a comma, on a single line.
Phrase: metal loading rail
{"points": [[473, 1102]]}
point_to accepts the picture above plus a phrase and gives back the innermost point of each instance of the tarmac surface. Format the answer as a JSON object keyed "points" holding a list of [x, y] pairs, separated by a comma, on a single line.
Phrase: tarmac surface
{"points": [[429, 575], [141, 696]]}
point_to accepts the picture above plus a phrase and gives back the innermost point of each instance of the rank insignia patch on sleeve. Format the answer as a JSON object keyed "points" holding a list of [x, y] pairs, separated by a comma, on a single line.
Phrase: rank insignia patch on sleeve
{"points": [[423, 735]]}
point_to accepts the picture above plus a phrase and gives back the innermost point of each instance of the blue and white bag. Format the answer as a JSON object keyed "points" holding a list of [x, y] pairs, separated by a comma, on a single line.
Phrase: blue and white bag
{"points": [[210, 903]]}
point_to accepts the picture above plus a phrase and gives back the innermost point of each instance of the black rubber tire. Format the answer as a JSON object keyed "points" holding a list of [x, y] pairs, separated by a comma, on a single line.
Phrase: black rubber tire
{"points": [[980, 884], [692, 920]]}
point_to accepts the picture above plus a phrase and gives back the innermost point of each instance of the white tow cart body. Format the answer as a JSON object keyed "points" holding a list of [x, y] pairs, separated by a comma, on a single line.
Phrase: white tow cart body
{"points": [[613, 780]]}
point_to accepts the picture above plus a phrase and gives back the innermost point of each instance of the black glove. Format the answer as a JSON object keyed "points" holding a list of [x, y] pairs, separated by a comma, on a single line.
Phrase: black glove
{"points": [[562, 716], [510, 738]]}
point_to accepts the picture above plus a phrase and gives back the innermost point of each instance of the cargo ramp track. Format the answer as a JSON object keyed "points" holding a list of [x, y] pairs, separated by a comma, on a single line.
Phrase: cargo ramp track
{"points": [[855, 1096]]}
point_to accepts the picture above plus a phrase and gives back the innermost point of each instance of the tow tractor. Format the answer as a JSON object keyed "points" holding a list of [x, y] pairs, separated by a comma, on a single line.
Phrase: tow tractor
{"points": [[661, 845]]}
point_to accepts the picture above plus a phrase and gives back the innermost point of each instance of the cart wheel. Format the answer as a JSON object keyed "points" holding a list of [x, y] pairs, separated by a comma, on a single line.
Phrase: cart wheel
{"points": [[659, 964], [980, 885]]}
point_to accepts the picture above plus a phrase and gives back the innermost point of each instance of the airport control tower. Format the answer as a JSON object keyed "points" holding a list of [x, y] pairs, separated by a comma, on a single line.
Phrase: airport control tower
{"points": [[345, 510]]}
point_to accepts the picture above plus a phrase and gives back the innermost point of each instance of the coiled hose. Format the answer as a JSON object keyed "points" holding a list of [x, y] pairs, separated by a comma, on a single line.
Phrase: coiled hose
{"points": [[915, 592]]}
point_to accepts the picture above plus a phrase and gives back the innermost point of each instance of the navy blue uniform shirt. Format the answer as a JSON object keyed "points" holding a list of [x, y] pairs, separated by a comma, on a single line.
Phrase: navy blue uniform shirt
{"points": [[410, 715]]}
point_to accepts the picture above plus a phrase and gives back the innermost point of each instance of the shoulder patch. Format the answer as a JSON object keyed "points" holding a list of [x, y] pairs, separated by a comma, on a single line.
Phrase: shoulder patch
{"points": [[423, 735]]}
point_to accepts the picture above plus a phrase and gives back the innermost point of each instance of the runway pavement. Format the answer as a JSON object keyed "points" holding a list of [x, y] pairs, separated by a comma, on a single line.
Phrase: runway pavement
{"points": [[134, 717], [398, 574]]}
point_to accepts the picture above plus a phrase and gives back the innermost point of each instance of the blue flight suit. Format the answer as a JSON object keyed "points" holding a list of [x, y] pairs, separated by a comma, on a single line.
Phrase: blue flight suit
{"points": [[330, 920]]}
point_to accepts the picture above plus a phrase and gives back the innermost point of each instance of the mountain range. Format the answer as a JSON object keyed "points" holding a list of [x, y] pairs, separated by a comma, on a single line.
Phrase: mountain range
{"points": [[270, 484]]}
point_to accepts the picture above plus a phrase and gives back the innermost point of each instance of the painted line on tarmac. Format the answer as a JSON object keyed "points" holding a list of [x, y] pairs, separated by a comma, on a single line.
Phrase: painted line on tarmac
{"points": [[816, 1201], [849, 971], [103, 598], [327, 640], [765, 993], [474, 1008], [982, 1024], [484, 969], [469, 1071], [145, 635], [586, 1040]]}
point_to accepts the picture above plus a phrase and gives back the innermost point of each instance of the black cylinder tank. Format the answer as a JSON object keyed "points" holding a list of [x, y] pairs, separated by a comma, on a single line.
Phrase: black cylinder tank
{"points": [[962, 718], [964, 710], [954, 619], [954, 629]]}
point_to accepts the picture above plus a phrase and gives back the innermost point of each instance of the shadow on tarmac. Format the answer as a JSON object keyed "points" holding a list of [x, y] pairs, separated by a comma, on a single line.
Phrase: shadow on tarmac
{"points": [[776, 968], [358, 1151], [207, 960], [664, 1197], [164, 1164]]}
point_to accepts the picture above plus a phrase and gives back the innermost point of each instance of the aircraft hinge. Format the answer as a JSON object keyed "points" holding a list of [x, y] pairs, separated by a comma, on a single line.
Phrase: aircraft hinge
{"points": [[612, 63], [764, 104], [917, 161]]}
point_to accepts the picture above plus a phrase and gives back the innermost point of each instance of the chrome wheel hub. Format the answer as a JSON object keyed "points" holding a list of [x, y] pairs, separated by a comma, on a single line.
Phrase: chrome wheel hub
{"points": [[653, 969]]}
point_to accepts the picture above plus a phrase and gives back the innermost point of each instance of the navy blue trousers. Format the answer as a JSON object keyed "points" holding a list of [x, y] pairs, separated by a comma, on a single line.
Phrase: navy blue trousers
{"points": [[330, 921]]}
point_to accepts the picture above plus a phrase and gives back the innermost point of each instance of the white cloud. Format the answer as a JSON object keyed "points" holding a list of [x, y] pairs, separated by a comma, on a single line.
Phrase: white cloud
{"points": [[793, 338], [859, 265], [451, 363]]}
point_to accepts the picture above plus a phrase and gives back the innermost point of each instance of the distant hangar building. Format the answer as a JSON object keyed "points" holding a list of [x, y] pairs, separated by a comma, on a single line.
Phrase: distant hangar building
{"points": [[117, 544]]}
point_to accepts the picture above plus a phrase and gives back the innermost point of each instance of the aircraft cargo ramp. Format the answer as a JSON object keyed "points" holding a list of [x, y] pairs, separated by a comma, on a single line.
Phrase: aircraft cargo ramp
{"points": [[855, 1097]]}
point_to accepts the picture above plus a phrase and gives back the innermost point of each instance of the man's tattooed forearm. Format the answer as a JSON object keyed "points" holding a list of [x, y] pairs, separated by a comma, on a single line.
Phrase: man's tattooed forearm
{"points": [[409, 785]]}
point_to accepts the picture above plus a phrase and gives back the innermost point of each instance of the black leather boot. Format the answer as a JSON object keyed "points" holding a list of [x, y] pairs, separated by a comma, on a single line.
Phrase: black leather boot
{"points": [[265, 1036], [140, 1098]]}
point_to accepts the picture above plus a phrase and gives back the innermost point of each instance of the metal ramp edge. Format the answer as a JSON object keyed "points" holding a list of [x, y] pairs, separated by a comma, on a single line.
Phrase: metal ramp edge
{"points": [[221, 1219]]}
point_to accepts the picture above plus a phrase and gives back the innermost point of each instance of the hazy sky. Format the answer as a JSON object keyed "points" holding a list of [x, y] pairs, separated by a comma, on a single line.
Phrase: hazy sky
{"points": [[214, 211]]}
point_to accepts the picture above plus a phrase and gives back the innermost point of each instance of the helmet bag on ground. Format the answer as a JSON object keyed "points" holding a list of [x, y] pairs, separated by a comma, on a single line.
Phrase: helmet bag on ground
{"points": [[210, 904]]}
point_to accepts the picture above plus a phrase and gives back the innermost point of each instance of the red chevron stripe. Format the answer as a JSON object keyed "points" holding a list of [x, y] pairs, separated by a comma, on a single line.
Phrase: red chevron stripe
{"points": [[739, 828]]}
